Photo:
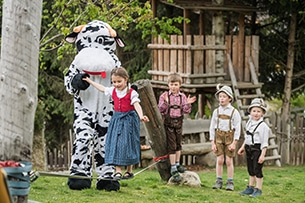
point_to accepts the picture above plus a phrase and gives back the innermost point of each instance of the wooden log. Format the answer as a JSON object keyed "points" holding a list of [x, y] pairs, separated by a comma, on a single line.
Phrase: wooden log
{"points": [[196, 148], [155, 129], [187, 149]]}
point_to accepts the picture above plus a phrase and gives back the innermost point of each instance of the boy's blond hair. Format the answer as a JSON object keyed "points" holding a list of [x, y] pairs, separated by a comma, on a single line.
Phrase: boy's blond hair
{"points": [[174, 77]]}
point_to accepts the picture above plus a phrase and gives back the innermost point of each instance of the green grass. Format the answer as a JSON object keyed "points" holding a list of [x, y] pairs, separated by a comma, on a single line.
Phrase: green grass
{"points": [[281, 185]]}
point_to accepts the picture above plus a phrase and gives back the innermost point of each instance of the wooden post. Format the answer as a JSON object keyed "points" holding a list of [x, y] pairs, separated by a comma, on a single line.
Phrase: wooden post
{"points": [[155, 129]]}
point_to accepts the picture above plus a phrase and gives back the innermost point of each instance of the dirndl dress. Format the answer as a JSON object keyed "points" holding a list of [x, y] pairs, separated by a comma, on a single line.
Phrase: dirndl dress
{"points": [[123, 139]]}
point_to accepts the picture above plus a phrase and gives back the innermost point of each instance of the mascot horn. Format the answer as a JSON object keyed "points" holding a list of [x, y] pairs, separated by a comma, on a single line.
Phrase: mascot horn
{"points": [[96, 44]]}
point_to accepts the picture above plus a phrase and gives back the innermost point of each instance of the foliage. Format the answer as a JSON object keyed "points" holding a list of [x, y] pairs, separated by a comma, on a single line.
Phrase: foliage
{"points": [[283, 184], [274, 30]]}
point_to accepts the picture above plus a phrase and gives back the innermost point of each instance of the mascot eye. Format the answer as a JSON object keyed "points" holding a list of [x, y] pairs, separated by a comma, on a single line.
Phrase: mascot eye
{"points": [[100, 40]]}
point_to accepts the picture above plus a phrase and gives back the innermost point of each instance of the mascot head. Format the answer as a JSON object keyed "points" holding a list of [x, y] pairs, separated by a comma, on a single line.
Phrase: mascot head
{"points": [[92, 41], [96, 34]]}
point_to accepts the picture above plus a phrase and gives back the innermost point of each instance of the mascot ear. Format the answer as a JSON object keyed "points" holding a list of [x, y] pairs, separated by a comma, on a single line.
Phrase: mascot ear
{"points": [[72, 36], [119, 41]]}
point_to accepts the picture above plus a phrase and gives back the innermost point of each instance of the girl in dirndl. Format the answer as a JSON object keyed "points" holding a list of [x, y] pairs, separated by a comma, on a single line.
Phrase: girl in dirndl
{"points": [[123, 138]]}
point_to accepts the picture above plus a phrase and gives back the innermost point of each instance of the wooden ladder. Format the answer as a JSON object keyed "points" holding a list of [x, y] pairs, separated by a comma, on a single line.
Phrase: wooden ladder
{"points": [[243, 92]]}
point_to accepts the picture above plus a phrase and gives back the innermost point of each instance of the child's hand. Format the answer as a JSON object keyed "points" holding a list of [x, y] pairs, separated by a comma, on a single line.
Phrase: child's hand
{"points": [[214, 148], [241, 151], [166, 97], [231, 147], [86, 79], [261, 159], [190, 99], [145, 119]]}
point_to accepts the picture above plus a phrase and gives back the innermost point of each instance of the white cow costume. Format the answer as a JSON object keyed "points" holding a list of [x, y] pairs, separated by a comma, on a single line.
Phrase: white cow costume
{"points": [[96, 44]]}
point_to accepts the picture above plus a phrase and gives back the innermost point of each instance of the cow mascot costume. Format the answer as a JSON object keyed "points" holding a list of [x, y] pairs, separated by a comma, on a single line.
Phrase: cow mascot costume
{"points": [[96, 44]]}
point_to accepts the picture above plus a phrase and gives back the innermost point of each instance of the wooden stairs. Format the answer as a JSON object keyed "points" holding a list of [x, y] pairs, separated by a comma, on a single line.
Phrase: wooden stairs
{"points": [[244, 93]]}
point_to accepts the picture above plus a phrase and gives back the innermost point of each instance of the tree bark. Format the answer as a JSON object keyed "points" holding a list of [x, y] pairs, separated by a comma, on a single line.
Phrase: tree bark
{"points": [[155, 128], [218, 30], [21, 23], [287, 89]]}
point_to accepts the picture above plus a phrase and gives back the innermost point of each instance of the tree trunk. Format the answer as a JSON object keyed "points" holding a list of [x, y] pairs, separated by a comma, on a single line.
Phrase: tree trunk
{"points": [[21, 23], [155, 128], [288, 81], [219, 32]]}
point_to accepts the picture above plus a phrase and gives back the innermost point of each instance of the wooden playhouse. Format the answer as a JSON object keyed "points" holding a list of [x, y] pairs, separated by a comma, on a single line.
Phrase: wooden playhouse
{"points": [[219, 48]]}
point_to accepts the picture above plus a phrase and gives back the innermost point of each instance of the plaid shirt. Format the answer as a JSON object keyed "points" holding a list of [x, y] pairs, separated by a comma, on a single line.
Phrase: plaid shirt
{"points": [[174, 100]]}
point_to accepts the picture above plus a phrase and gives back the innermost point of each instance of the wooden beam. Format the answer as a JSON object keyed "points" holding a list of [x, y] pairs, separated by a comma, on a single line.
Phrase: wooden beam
{"points": [[154, 7], [186, 75], [186, 26], [186, 47], [155, 128], [196, 5]]}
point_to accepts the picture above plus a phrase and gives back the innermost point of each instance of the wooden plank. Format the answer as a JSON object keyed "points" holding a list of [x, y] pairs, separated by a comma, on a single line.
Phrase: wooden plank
{"points": [[186, 47], [160, 59], [255, 51], [245, 85], [272, 147], [191, 126], [196, 148], [173, 55], [235, 53], [270, 158], [186, 26], [241, 46], [186, 75], [247, 55], [187, 149], [189, 59], [251, 96], [210, 59], [166, 59], [228, 45], [198, 58], [155, 59], [234, 81], [155, 127], [181, 58]]}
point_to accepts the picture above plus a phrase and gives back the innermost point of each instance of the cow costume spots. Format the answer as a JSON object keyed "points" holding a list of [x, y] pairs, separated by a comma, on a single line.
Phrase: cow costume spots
{"points": [[96, 44]]}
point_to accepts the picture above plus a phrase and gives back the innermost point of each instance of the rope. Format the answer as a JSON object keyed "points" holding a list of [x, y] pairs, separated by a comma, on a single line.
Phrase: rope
{"points": [[157, 160], [144, 169], [35, 174]]}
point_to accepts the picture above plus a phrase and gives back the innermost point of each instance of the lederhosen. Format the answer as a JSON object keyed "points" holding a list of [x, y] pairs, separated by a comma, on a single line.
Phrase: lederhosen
{"points": [[253, 152], [173, 128], [224, 138]]}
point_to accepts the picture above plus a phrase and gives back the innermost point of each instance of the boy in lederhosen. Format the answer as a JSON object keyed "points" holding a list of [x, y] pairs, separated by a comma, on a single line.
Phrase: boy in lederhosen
{"points": [[173, 104], [255, 145], [224, 134]]}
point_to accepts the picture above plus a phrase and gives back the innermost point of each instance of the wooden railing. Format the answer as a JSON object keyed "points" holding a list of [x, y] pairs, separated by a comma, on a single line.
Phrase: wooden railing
{"points": [[194, 58]]}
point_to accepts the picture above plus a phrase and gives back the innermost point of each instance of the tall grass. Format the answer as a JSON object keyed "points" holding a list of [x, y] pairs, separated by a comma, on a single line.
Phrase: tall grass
{"points": [[281, 184]]}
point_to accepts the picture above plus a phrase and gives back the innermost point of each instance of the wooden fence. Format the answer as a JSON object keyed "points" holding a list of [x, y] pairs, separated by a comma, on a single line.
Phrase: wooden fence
{"points": [[291, 144]]}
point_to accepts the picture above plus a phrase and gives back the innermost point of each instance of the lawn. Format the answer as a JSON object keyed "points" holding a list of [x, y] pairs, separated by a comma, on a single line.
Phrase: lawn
{"points": [[281, 185]]}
